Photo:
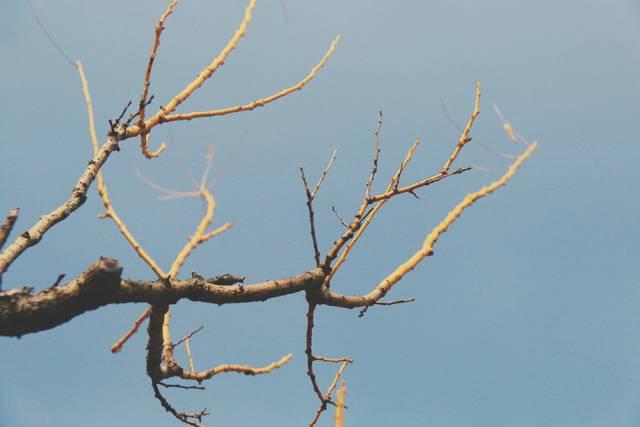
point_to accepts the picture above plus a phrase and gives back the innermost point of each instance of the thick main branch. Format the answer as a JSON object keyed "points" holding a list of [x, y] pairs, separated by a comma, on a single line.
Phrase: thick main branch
{"points": [[101, 285]]}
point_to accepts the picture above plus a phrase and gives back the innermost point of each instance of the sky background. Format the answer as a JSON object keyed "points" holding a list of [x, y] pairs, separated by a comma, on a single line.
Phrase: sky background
{"points": [[527, 315]]}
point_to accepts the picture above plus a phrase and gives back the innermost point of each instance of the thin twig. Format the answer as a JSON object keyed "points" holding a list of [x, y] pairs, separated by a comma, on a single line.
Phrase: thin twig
{"points": [[147, 82], [187, 348], [241, 369], [259, 102], [324, 174], [58, 280], [400, 301], [327, 397], [110, 211], [335, 211], [136, 325], [376, 157], [330, 298], [184, 387], [188, 336], [464, 137], [475, 140], [310, 196], [309, 351], [46, 33]]}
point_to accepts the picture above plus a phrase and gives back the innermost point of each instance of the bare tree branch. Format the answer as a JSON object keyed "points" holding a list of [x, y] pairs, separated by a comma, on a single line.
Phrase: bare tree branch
{"points": [[101, 285]]}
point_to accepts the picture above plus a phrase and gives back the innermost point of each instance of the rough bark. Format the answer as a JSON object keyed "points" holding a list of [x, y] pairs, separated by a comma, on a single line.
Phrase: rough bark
{"points": [[22, 312]]}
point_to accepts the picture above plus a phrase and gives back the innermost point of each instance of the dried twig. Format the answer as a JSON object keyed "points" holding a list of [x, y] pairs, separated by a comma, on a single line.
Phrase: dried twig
{"points": [[147, 82], [327, 297], [259, 102], [400, 301], [188, 336], [136, 325], [464, 137], [310, 196], [376, 157], [110, 211], [181, 386], [241, 369], [327, 397], [309, 351]]}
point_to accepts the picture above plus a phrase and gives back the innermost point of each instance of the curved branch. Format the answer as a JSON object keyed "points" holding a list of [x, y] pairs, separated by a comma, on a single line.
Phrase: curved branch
{"points": [[101, 285]]}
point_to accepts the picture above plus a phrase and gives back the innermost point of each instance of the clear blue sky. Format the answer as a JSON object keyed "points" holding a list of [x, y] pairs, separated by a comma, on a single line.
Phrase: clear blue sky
{"points": [[528, 315]]}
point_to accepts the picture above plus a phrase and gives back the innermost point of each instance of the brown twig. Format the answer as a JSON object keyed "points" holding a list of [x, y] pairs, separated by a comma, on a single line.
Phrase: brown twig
{"points": [[309, 351], [376, 157], [188, 336], [59, 279], [400, 301], [181, 386], [310, 196], [337, 214], [327, 397], [360, 222]]}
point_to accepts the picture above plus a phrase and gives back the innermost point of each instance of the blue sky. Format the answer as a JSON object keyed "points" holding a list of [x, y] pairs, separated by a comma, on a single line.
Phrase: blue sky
{"points": [[527, 315]]}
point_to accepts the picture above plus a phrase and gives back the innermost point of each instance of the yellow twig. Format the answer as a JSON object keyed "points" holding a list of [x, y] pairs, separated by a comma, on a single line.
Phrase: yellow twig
{"points": [[136, 325], [242, 369], [464, 137], [187, 347], [167, 346], [427, 248], [102, 187], [367, 221], [207, 72], [200, 235], [327, 396], [144, 144], [340, 399], [260, 102]]}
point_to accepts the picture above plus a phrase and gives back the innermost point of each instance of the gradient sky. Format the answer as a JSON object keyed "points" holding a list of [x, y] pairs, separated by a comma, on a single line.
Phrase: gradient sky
{"points": [[527, 315]]}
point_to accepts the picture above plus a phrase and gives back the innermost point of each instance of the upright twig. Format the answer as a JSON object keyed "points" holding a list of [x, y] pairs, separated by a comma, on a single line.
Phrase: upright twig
{"points": [[376, 157], [327, 397], [110, 211], [340, 399], [311, 194], [147, 82], [464, 137], [325, 296]]}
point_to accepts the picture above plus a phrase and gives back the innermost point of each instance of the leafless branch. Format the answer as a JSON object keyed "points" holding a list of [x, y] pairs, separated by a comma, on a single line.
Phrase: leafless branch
{"points": [[400, 301]]}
